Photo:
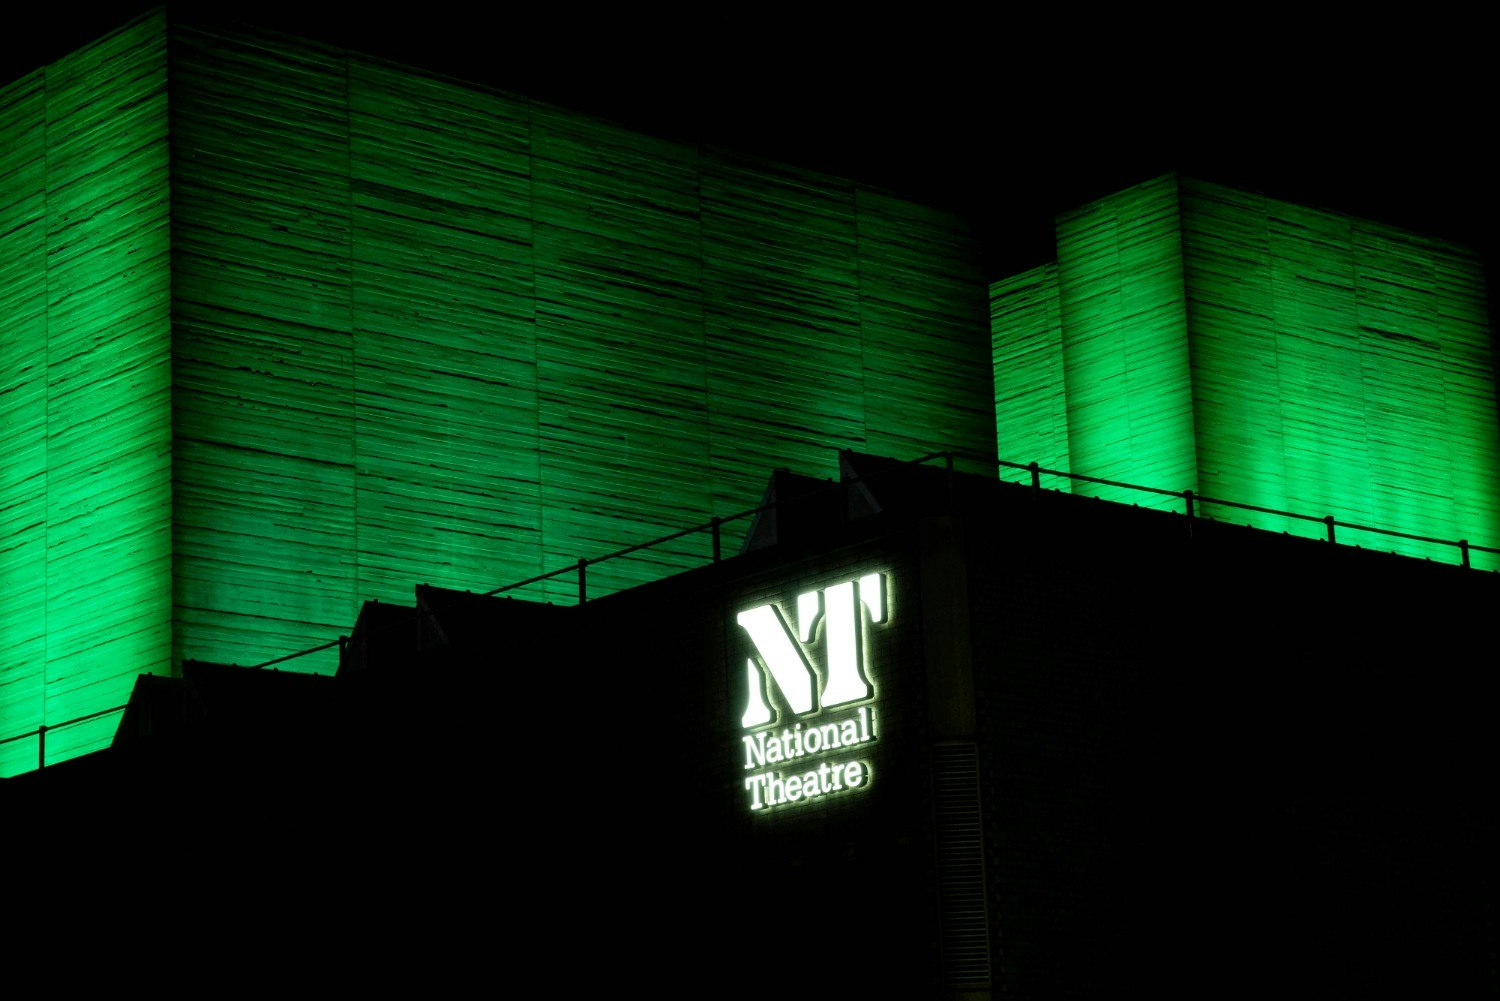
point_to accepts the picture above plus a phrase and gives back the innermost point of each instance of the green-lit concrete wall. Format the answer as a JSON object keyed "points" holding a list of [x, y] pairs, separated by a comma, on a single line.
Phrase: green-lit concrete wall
{"points": [[409, 331], [1031, 402], [1263, 353], [430, 333], [1125, 341], [85, 420]]}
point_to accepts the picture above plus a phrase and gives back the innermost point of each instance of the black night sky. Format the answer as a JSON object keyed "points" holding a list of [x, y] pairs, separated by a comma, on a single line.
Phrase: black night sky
{"points": [[1005, 117]]}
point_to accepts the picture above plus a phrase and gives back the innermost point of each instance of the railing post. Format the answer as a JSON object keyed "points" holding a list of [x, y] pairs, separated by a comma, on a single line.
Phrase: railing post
{"points": [[41, 746], [1328, 520], [1187, 495], [1036, 476], [715, 521], [583, 589], [1463, 548]]}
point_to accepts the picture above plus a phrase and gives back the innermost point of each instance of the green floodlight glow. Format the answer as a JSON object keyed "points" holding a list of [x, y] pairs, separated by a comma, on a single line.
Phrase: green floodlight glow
{"points": [[1344, 369], [451, 336], [1125, 345], [85, 490], [318, 329], [1031, 402], [1262, 353], [516, 338]]}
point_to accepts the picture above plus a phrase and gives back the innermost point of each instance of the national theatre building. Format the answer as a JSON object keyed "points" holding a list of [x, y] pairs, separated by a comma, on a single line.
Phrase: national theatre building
{"points": [[414, 493]]}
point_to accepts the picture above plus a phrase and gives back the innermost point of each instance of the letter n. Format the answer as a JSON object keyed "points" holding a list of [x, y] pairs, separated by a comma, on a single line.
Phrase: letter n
{"points": [[784, 664]]}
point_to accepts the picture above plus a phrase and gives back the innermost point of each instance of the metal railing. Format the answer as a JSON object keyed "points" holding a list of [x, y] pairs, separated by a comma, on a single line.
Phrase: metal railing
{"points": [[1192, 504], [40, 733]]}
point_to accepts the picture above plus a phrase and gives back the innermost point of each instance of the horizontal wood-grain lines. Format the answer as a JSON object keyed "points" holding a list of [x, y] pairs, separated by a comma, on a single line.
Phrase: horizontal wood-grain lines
{"points": [[781, 318], [1125, 344], [1268, 354], [624, 411], [84, 392], [1031, 399], [263, 350], [1236, 379], [1342, 367], [430, 333], [928, 380], [23, 416], [289, 329], [445, 369]]}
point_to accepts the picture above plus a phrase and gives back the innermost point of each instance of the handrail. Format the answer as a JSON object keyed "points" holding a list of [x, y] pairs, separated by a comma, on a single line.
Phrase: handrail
{"points": [[40, 733], [1464, 546], [715, 524]]}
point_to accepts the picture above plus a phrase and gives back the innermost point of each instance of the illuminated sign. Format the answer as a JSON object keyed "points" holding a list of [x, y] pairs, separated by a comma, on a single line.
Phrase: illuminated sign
{"points": [[814, 755]]}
